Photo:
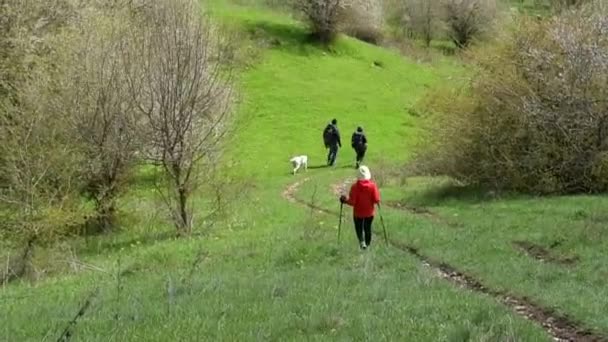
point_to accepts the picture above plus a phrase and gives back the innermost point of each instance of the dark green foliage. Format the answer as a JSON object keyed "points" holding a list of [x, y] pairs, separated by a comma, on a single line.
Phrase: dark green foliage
{"points": [[534, 116]]}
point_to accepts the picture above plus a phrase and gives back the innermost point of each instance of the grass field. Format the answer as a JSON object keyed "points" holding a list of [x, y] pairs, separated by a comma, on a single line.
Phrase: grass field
{"points": [[273, 269]]}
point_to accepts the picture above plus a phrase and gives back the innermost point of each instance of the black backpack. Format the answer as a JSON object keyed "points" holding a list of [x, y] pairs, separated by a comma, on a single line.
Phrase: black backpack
{"points": [[357, 140], [328, 134]]}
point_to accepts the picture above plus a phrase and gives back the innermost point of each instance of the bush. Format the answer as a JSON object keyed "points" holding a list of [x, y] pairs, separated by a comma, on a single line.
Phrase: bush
{"points": [[68, 129], [468, 19], [323, 16], [561, 5], [534, 118], [363, 19], [39, 165], [416, 19]]}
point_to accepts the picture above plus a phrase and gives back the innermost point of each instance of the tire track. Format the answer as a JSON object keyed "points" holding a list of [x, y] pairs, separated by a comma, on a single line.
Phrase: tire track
{"points": [[422, 211], [560, 327]]}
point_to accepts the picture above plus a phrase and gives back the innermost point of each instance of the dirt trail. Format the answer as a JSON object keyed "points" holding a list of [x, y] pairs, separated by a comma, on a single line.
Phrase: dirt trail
{"points": [[542, 254], [290, 195], [558, 326], [342, 188], [291, 190]]}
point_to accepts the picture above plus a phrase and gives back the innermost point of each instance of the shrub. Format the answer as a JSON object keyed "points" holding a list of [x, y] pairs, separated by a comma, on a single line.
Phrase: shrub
{"points": [[84, 90], [561, 5], [534, 117], [323, 16], [417, 19], [363, 19], [39, 166], [279, 4], [468, 19]]}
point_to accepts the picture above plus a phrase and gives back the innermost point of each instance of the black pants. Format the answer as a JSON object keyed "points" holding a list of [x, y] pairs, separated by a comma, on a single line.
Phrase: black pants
{"points": [[364, 225], [360, 154], [333, 153]]}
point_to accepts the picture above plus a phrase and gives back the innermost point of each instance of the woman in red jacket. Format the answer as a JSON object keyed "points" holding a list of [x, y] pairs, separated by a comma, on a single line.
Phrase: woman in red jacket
{"points": [[364, 195]]}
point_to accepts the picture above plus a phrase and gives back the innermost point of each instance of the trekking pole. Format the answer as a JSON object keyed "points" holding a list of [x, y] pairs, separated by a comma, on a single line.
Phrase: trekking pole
{"points": [[340, 222], [383, 225]]}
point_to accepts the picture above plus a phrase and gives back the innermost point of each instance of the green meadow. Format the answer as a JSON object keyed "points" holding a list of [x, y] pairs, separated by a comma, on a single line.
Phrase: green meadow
{"points": [[272, 268]]}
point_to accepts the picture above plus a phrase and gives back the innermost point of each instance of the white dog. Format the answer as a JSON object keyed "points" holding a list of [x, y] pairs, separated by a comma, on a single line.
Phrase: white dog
{"points": [[298, 162]]}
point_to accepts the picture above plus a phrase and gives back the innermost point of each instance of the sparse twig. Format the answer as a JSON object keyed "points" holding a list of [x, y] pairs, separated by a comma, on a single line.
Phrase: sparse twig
{"points": [[66, 335], [19, 266], [6, 312], [118, 278], [187, 280], [171, 291], [310, 227], [313, 201]]}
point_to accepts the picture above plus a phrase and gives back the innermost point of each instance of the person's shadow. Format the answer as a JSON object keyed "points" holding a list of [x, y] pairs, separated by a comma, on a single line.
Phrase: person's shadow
{"points": [[315, 167]]}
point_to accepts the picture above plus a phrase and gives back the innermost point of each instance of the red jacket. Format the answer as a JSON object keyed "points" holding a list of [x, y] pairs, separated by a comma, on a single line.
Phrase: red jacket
{"points": [[363, 196]]}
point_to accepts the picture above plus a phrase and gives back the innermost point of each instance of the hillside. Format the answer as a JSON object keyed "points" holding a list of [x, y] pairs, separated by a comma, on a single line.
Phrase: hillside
{"points": [[458, 265]]}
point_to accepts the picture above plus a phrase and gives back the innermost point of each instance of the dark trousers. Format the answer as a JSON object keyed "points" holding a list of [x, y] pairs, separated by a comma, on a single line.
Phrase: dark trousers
{"points": [[363, 228], [333, 153], [360, 154]]}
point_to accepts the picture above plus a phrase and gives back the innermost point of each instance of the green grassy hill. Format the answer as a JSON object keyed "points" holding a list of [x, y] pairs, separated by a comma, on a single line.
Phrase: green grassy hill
{"points": [[274, 270]]}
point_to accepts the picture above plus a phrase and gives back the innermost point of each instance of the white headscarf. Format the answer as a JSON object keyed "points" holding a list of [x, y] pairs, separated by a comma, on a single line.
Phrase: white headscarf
{"points": [[363, 173]]}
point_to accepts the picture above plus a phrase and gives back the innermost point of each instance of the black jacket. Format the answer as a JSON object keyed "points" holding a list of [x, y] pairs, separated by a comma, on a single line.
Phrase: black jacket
{"points": [[335, 137], [361, 138]]}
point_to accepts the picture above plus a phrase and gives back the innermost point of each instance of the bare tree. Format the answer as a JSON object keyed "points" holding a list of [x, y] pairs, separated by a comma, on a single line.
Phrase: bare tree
{"points": [[422, 18], [183, 89], [102, 115]]}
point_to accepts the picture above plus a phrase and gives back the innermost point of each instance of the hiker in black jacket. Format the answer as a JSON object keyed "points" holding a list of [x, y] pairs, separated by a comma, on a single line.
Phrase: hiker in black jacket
{"points": [[359, 144], [331, 138]]}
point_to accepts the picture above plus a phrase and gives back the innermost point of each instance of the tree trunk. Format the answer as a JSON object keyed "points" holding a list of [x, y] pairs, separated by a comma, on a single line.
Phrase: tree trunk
{"points": [[105, 216], [184, 219]]}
